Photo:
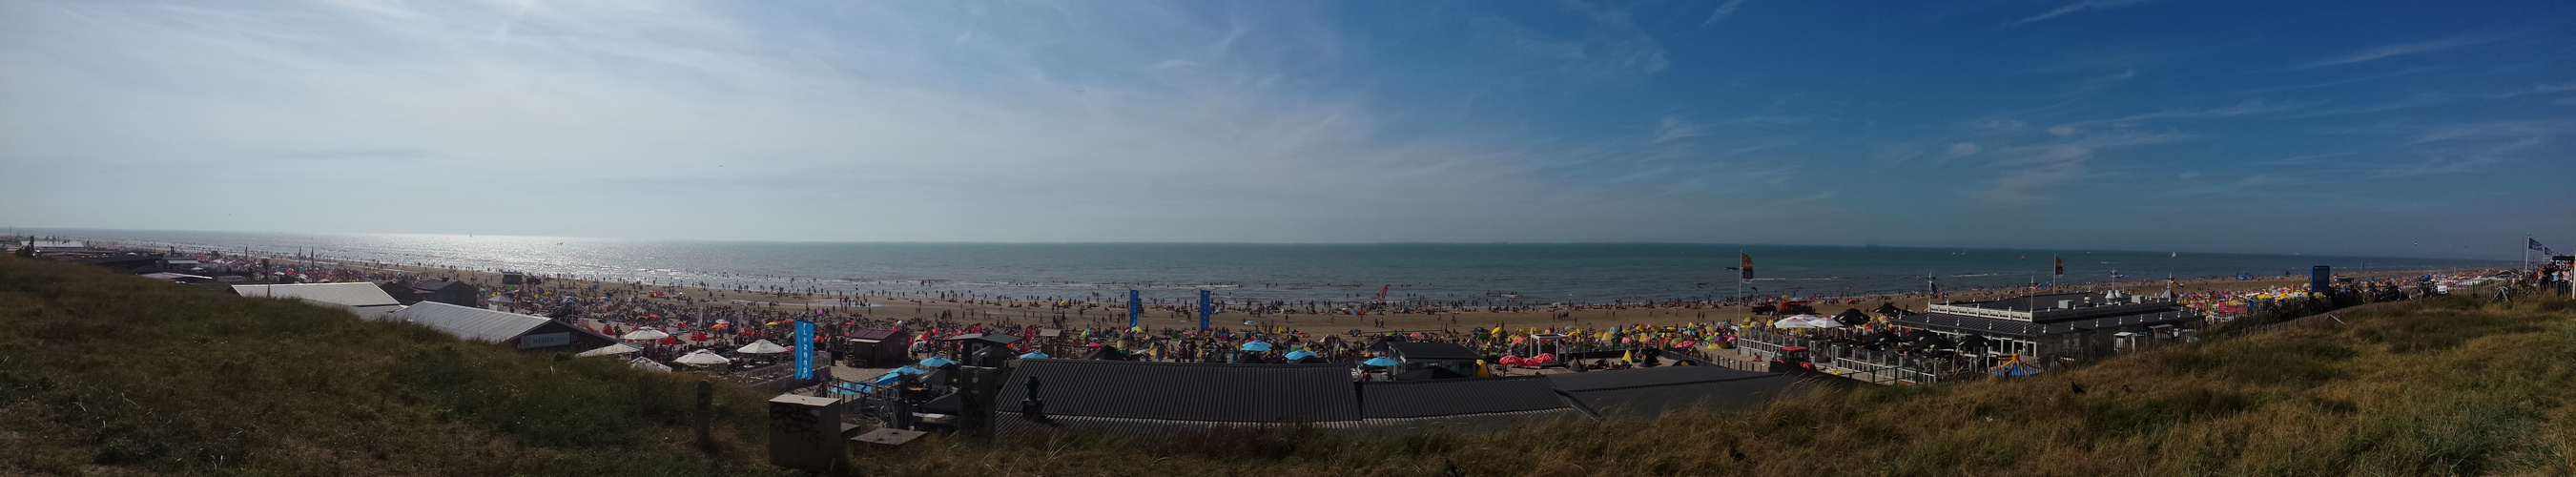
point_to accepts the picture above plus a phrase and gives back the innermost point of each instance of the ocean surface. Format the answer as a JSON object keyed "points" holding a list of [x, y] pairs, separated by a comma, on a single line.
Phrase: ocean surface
{"points": [[1444, 272]]}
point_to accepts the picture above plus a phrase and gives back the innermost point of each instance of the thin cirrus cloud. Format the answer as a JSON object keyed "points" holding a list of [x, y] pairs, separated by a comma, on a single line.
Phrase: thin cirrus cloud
{"points": [[1262, 121], [2400, 49]]}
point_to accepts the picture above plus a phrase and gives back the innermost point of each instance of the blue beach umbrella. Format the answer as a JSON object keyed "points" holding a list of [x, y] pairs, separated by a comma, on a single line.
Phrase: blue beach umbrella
{"points": [[1380, 361], [1300, 354], [1034, 355], [888, 378], [851, 388], [2015, 370], [936, 361], [1256, 346], [908, 370]]}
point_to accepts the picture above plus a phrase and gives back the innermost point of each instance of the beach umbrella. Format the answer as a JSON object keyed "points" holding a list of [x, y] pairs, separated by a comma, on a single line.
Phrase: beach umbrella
{"points": [[620, 348], [888, 378], [1380, 361], [1033, 355], [1543, 358], [936, 361], [908, 370], [702, 358], [2015, 369], [1093, 345], [646, 334], [851, 388], [1300, 354], [1256, 346], [647, 364], [762, 347]]}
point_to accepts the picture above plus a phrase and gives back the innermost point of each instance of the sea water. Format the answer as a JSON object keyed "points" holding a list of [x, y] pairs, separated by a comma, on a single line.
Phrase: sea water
{"points": [[1482, 274]]}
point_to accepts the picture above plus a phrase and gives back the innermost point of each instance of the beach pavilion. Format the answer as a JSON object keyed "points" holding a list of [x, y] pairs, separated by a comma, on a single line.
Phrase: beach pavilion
{"points": [[2068, 325]]}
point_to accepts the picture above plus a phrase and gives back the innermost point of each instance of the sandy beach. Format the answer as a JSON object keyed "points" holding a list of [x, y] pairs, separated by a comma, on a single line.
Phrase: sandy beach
{"points": [[1080, 315]]}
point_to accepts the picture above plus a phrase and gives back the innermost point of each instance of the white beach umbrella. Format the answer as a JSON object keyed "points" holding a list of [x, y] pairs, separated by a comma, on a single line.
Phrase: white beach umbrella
{"points": [[762, 347], [620, 348], [1807, 321], [701, 358], [646, 334], [647, 364]]}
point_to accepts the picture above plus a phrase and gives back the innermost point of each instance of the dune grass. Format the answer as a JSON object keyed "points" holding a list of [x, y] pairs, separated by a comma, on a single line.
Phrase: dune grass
{"points": [[2451, 386], [109, 373], [104, 373]]}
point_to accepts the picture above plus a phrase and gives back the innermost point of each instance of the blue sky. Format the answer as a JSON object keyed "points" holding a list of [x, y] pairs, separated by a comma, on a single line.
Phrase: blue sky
{"points": [[2196, 125]]}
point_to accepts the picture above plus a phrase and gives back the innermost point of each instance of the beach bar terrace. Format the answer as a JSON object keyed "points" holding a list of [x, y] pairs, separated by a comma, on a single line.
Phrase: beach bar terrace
{"points": [[2069, 325]]}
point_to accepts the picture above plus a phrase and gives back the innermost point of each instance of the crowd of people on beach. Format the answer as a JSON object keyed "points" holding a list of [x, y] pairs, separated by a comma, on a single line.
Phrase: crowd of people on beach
{"points": [[1318, 331]]}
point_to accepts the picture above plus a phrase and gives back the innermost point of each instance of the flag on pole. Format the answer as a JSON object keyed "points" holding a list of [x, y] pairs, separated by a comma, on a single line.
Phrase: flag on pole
{"points": [[2061, 266], [2535, 244], [1381, 292], [1747, 266]]}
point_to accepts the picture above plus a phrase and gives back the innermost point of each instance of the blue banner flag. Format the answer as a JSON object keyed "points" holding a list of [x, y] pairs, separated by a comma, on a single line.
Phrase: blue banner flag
{"points": [[804, 349], [1203, 310], [1135, 304], [2535, 244]]}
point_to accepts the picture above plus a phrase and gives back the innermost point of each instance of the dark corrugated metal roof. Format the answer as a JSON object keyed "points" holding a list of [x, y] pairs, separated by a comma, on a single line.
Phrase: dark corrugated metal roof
{"points": [[1431, 351], [1473, 422], [1657, 376], [1393, 399], [1655, 400], [1994, 327], [1252, 393], [1650, 392]]}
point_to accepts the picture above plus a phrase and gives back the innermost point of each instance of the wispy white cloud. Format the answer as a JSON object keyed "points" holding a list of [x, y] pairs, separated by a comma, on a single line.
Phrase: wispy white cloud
{"points": [[2539, 89], [2400, 49], [1721, 13], [2072, 8], [2245, 108], [2033, 173]]}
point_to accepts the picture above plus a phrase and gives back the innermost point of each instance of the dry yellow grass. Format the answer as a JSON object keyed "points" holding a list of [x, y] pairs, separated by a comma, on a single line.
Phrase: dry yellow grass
{"points": [[109, 374]]}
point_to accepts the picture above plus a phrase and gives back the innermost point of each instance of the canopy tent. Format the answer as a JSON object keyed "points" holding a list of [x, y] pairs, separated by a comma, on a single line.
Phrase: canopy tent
{"points": [[702, 358], [762, 347], [1852, 317], [647, 334], [1806, 321], [620, 348], [1105, 353], [647, 364]]}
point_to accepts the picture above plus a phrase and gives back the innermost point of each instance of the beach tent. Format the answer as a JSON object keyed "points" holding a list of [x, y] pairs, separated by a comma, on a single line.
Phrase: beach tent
{"points": [[762, 347], [1852, 317], [647, 364], [620, 348], [1806, 321], [1106, 354], [702, 358], [646, 334]]}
